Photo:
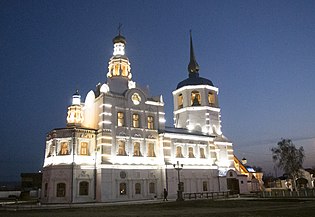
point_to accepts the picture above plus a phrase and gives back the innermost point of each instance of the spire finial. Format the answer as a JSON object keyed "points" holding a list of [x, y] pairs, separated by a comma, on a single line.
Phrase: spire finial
{"points": [[193, 66], [119, 28], [119, 37]]}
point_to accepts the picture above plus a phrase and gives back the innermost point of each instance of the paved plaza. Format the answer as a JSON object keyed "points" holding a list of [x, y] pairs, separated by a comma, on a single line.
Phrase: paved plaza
{"points": [[231, 207]]}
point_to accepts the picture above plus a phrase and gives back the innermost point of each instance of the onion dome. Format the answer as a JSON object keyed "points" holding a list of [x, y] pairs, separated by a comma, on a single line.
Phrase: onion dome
{"points": [[119, 39]]}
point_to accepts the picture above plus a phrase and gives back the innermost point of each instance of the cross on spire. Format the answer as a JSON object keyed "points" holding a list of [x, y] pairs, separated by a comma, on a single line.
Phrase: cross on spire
{"points": [[119, 28]]}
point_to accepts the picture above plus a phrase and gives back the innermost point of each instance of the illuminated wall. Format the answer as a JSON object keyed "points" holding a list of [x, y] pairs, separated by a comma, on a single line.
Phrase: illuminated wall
{"points": [[121, 150]]}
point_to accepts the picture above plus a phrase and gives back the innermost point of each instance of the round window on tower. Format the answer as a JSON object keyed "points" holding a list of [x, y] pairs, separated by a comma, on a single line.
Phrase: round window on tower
{"points": [[136, 99]]}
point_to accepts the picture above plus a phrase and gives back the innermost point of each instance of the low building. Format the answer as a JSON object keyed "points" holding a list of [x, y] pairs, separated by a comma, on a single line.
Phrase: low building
{"points": [[31, 181], [304, 181], [254, 179], [10, 190]]}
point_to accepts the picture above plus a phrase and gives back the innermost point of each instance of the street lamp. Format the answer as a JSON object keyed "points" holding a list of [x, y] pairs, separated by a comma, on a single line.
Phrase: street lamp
{"points": [[179, 167]]}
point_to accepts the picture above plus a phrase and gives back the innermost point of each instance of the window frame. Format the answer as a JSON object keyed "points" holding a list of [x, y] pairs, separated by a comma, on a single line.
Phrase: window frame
{"points": [[84, 190], [51, 150], [204, 186], [193, 95], [151, 150], [211, 97], [138, 145], [202, 153], [135, 120], [151, 188], [150, 122], [84, 150], [180, 101], [61, 189], [191, 152], [123, 153], [123, 188], [63, 146], [179, 154], [120, 119], [137, 188]]}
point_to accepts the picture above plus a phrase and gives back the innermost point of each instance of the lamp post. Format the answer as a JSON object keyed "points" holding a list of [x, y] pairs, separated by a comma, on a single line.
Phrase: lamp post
{"points": [[179, 167]]}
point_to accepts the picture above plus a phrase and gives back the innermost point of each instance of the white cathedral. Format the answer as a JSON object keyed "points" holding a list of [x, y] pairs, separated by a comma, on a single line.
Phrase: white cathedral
{"points": [[116, 146]]}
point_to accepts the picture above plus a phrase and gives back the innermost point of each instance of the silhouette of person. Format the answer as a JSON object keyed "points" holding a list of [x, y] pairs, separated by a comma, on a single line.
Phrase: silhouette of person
{"points": [[165, 194]]}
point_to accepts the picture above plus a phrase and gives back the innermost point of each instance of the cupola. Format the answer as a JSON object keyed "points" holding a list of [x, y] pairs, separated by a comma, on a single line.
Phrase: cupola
{"points": [[119, 65], [75, 114]]}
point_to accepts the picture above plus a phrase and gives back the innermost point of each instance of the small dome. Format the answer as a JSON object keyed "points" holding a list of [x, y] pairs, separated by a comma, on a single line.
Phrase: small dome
{"points": [[76, 98], [194, 79], [76, 93], [119, 39]]}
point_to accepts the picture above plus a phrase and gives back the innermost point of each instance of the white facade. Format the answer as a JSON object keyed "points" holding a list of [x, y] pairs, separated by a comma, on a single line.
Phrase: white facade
{"points": [[116, 146]]}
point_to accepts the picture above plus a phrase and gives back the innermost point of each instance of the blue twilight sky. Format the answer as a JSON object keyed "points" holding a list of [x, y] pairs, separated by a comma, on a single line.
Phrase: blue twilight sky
{"points": [[261, 55]]}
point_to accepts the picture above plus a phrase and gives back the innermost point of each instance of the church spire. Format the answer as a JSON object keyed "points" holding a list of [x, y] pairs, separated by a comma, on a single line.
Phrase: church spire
{"points": [[193, 66]]}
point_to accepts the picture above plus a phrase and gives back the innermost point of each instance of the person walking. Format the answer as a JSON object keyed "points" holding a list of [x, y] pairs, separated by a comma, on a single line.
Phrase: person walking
{"points": [[165, 194]]}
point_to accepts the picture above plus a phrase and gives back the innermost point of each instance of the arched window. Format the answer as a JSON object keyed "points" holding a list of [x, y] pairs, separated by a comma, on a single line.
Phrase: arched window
{"points": [[121, 148], [135, 121], [191, 152], [150, 123], [64, 148], [138, 188], [116, 70], [51, 150], [84, 188], [202, 153], [204, 186], [61, 190], [180, 101], [84, 148], [120, 119], [136, 149], [122, 188], [195, 98], [211, 98], [151, 152], [151, 187], [124, 70], [179, 151]]}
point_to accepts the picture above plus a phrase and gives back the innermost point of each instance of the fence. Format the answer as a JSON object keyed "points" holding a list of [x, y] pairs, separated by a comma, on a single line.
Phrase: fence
{"points": [[288, 194], [203, 195]]}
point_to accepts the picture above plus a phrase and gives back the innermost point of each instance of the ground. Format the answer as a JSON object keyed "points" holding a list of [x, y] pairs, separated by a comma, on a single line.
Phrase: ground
{"points": [[218, 208]]}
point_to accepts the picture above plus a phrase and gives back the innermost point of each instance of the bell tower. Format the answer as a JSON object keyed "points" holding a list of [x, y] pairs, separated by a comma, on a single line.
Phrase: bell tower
{"points": [[196, 106], [119, 75]]}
